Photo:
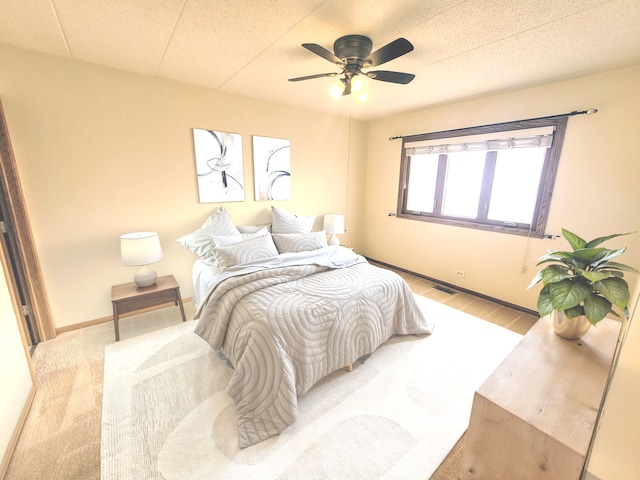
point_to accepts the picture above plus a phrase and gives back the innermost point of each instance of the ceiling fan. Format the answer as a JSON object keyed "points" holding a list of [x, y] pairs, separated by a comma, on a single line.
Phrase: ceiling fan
{"points": [[353, 54]]}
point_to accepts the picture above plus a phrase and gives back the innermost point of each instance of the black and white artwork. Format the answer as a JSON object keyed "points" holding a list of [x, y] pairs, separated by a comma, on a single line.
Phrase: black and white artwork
{"points": [[219, 166], [272, 168]]}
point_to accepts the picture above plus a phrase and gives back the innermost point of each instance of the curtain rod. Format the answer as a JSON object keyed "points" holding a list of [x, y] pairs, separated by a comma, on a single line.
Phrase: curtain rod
{"points": [[588, 111]]}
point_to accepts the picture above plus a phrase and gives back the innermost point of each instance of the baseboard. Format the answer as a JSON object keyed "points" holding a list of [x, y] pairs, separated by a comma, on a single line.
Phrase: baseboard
{"points": [[457, 288], [13, 441], [77, 326], [98, 321]]}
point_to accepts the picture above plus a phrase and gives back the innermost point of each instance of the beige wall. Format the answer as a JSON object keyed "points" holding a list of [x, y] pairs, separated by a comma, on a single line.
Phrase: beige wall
{"points": [[597, 192], [15, 371], [102, 152]]}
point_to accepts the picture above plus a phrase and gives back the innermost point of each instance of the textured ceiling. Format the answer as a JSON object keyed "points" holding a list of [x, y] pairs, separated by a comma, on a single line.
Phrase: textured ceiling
{"points": [[251, 47]]}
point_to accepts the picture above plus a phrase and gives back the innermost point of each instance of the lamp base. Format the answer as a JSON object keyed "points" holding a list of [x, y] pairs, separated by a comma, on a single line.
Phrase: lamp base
{"points": [[334, 240], [145, 277]]}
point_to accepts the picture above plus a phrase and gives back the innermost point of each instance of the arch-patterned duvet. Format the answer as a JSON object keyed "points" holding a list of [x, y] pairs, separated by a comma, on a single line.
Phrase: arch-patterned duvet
{"points": [[288, 321]]}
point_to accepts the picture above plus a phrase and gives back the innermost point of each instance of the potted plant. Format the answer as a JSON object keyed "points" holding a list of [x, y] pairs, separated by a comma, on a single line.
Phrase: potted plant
{"points": [[582, 286]]}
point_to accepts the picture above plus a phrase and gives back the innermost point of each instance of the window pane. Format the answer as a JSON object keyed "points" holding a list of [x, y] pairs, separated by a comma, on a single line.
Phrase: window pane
{"points": [[422, 183], [515, 185], [463, 184]]}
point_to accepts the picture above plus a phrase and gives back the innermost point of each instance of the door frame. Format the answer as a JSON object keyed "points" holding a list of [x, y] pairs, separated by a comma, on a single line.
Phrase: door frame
{"points": [[25, 255]]}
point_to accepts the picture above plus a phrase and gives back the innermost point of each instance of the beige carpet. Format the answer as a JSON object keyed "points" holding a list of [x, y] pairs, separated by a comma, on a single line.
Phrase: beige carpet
{"points": [[396, 416], [61, 436]]}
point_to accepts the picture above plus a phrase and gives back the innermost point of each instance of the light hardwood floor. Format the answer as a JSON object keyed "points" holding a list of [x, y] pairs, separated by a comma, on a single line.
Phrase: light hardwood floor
{"points": [[516, 320]]}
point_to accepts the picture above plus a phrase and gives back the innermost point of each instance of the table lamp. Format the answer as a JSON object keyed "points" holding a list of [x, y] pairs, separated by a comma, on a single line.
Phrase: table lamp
{"points": [[141, 249], [334, 224]]}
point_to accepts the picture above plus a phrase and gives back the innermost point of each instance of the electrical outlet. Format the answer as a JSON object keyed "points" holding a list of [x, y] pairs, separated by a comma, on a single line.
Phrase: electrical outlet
{"points": [[459, 273]]}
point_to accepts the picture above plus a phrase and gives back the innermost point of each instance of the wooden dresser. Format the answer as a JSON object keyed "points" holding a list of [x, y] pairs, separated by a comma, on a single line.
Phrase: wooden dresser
{"points": [[534, 417]]}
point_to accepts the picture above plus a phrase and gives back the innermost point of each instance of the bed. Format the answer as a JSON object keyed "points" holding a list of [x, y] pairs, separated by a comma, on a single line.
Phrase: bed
{"points": [[286, 320]]}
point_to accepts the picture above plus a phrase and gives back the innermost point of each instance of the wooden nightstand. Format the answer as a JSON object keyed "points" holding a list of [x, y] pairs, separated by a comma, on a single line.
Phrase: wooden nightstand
{"points": [[129, 298]]}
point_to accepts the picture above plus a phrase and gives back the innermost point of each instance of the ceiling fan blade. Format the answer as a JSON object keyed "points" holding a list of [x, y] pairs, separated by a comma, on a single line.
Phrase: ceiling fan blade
{"points": [[323, 52], [392, 50], [309, 77], [393, 77]]}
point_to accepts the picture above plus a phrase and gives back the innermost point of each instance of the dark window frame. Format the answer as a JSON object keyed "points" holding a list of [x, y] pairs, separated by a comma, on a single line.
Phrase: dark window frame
{"points": [[545, 190]]}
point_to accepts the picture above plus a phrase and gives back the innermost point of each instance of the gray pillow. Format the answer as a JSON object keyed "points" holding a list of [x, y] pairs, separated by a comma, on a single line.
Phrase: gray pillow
{"points": [[246, 251], [299, 242]]}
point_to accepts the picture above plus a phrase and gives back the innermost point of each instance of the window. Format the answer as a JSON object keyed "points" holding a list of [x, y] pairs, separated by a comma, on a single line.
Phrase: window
{"points": [[494, 177]]}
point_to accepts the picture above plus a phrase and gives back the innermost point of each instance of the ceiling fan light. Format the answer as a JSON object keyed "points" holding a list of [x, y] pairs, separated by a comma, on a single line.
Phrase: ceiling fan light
{"points": [[337, 88], [360, 88]]}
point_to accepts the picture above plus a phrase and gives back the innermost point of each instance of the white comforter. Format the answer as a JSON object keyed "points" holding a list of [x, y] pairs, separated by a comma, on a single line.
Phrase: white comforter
{"points": [[287, 322]]}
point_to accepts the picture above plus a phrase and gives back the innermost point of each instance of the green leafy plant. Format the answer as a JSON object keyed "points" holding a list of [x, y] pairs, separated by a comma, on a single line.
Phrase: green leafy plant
{"points": [[584, 281]]}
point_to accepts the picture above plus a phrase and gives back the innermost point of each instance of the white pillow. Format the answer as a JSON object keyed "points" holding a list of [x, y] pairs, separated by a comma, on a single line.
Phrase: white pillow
{"points": [[253, 228], [285, 222], [248, 250], [219, 223], [299, 242], [227, 240], [199, 242]]}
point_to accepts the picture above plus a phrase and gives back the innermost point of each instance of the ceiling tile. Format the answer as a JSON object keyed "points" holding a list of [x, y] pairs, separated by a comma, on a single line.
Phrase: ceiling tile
{"points": [[131, 35], [31, 25], [214, 40]]}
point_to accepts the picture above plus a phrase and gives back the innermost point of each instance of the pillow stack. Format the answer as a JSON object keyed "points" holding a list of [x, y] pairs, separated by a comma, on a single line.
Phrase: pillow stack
{"points": [[219, 243]]}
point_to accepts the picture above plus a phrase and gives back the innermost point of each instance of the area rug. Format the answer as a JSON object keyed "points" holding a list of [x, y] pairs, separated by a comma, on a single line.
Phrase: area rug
{"points": [[395, 416]]}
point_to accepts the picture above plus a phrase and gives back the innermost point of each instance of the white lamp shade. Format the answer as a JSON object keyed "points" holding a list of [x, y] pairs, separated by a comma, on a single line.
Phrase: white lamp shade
{"points": [[140, 248], [334, 224]]}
